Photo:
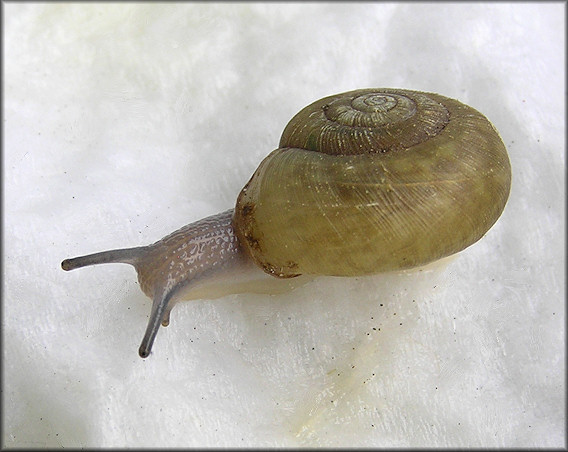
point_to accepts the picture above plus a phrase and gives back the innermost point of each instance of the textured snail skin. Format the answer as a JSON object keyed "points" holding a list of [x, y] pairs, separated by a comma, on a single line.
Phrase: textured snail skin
{"points": [[363, 182]]}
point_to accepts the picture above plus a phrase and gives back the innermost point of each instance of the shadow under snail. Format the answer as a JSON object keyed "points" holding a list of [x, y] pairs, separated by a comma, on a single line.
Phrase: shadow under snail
{"points": [[363, 182]]}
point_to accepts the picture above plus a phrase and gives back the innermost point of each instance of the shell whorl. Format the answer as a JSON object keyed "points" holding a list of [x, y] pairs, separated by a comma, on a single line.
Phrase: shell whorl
{"points": [[365, 121], [373, 180]]}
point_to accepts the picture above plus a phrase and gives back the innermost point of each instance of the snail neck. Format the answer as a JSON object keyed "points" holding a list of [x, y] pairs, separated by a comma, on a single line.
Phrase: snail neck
{"points": [[201, 260], [205, 260]]}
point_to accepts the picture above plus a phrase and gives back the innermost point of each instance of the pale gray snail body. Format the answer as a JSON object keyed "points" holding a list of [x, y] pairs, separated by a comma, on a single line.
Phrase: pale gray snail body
{"points": [[363, 182]]}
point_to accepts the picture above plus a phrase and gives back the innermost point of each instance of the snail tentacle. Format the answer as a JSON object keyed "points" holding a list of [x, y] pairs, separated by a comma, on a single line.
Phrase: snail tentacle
{"points": [[160, 315], [123, 256]]}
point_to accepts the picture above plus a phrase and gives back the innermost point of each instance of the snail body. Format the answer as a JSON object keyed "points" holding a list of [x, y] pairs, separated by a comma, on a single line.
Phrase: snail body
{"points": [[363, 182]]}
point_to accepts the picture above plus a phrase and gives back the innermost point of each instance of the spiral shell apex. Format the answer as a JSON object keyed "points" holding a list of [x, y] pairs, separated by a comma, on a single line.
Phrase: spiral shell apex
{"points": [[373, 180]]}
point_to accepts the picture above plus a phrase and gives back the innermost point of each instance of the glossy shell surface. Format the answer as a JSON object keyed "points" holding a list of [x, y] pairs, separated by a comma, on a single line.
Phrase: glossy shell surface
{"points": [[373, 180]]}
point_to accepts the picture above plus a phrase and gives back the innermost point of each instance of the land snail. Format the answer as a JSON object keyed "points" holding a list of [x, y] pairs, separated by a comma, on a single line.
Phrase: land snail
{"points": [[363, 182]]}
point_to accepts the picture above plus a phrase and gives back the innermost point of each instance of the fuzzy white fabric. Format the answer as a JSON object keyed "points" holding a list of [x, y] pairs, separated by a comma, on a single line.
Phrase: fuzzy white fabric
{"points": [[126, 121]]}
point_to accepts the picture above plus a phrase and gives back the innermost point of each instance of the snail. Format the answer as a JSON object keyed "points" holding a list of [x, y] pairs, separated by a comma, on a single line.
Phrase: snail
{"points": [[363, 182]]}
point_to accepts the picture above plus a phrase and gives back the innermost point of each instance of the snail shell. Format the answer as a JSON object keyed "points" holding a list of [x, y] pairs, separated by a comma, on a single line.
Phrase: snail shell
{"points": [[374, 180], [363, 182]]}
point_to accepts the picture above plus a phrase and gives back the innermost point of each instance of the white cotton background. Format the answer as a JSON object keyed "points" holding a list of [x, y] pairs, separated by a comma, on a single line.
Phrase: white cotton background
{"points": [[125, 121]]}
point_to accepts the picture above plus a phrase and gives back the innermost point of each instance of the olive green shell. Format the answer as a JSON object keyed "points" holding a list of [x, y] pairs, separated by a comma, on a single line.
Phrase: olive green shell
{"points": [[373, 180]]}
